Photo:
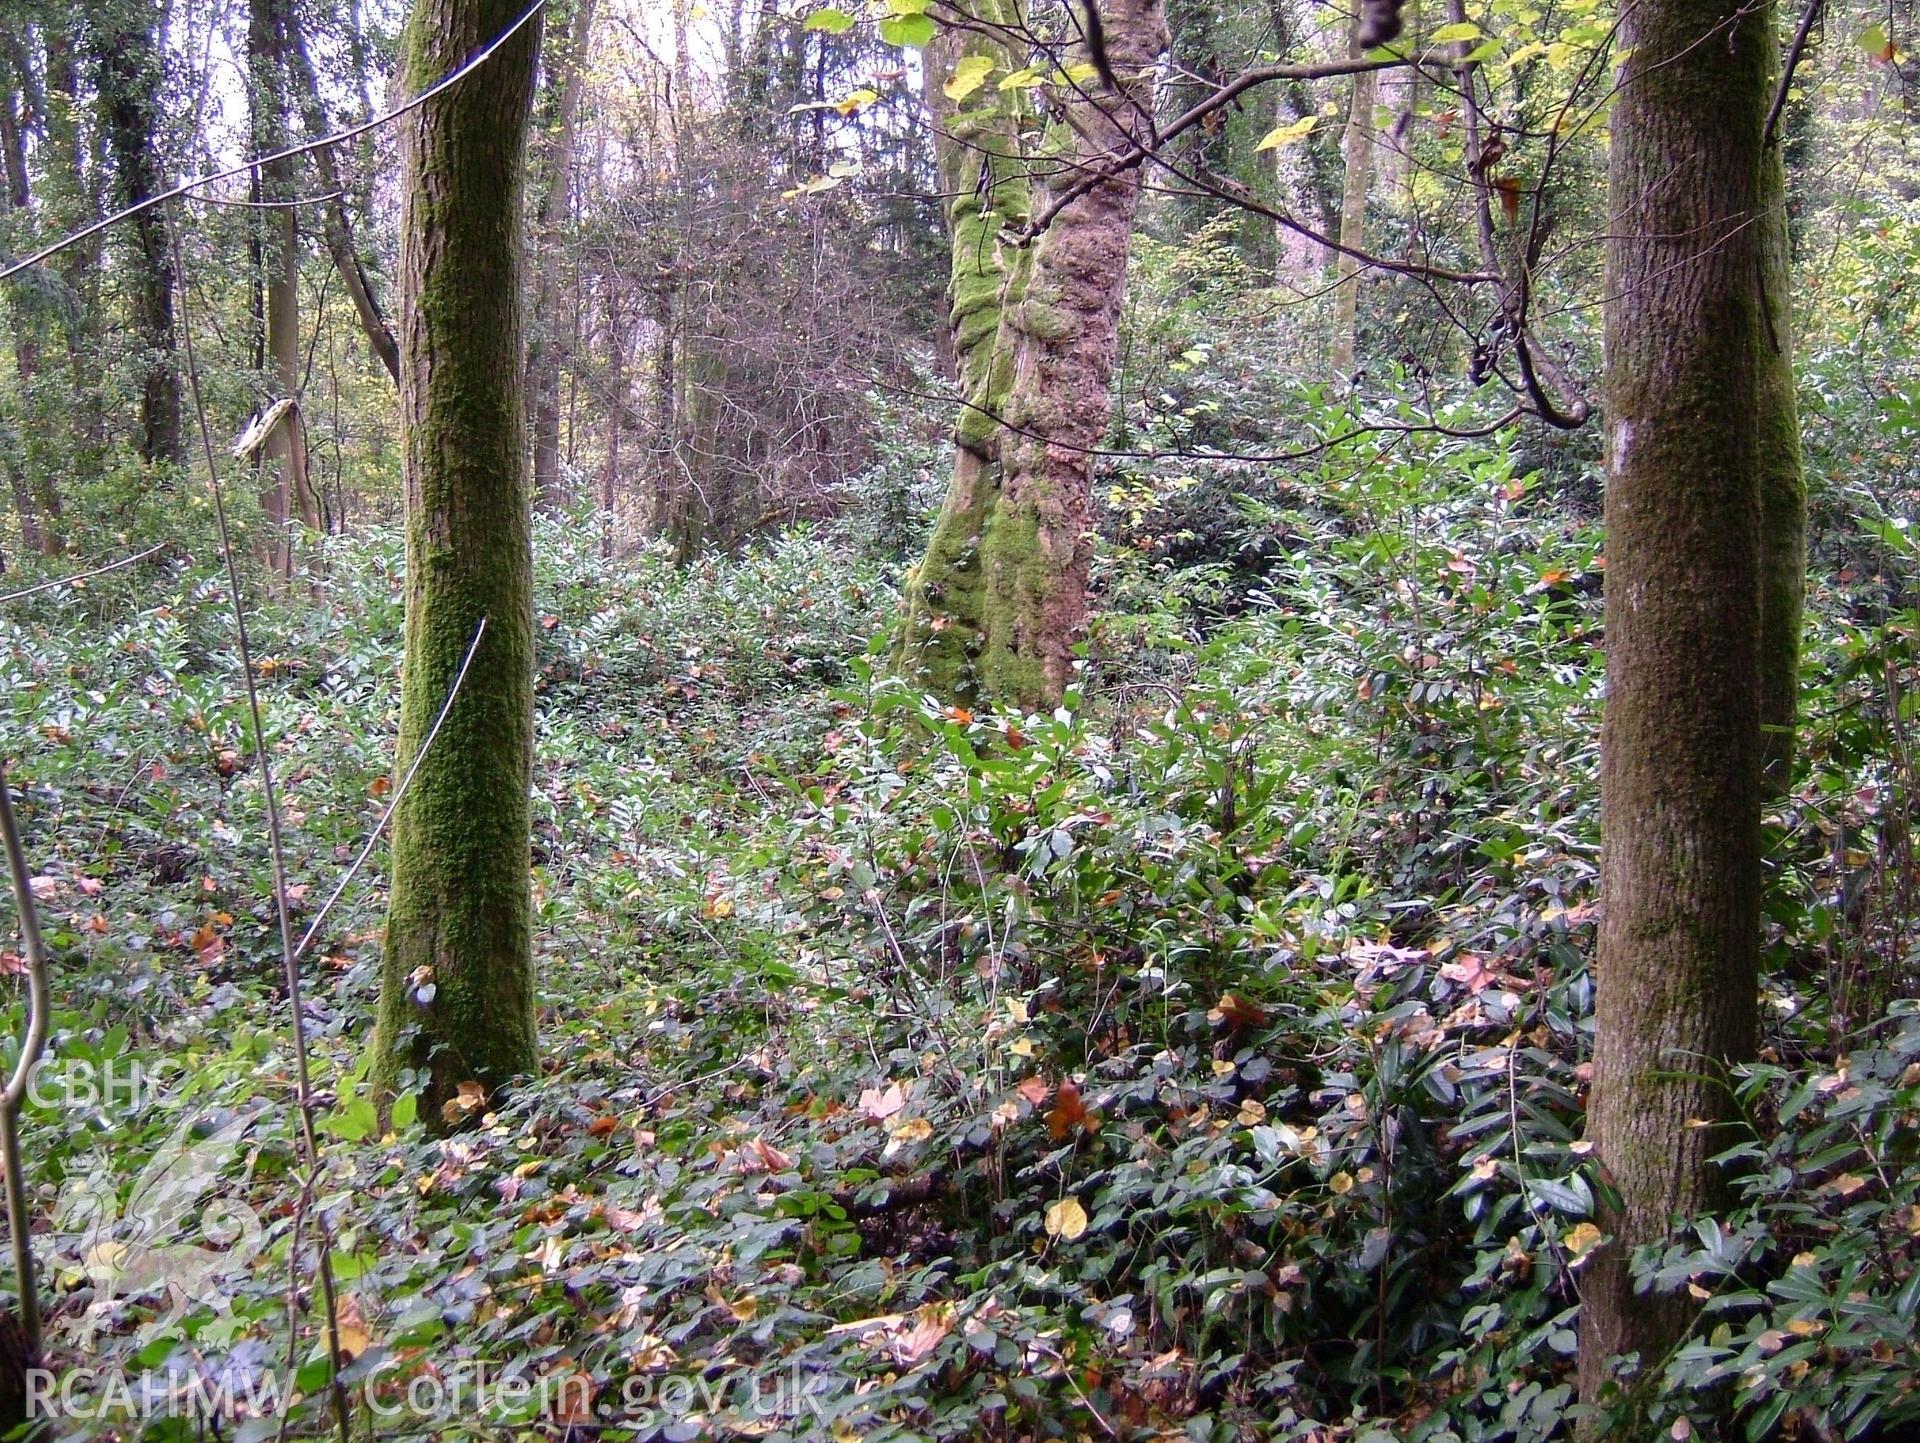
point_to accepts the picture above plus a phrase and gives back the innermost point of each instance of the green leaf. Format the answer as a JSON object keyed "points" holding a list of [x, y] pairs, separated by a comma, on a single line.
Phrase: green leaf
{"points": [[1023, 79], [834, 22], [352, 1121], [1873, 40], [1454, 33], [914, 32], [968, 76], [406, 1108]]}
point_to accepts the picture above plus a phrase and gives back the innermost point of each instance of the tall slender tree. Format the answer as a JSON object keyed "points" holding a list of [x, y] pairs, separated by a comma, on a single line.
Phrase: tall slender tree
{"points": [[286, 493], [456, 998], [1356, 146], [1783, 488], [130, 79], [1692, 343], [560, 111]]}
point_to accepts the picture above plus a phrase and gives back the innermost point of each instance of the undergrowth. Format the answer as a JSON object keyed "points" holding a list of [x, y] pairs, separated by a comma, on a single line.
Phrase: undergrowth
{"points": [[1205, 1059]]}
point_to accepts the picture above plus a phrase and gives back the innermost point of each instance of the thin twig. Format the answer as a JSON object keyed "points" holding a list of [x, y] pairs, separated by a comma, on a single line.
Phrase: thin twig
{"points": [[61, 581], [1808, 19], [303, 1081]]}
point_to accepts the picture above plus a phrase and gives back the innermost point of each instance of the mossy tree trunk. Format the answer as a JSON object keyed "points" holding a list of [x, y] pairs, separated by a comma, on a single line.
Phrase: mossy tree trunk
{"points": [[131, 82], [28, 458], [1688, 353], [456, 997], [1038, 544], [983, 178]]}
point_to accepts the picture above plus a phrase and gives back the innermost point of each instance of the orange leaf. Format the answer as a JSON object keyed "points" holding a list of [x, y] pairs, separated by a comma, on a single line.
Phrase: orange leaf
{"points": [[1034, 1089], [602, 1125], [208, 945], [1237, 1011], [1068, 1112], [379, 787], [1509, 189]]}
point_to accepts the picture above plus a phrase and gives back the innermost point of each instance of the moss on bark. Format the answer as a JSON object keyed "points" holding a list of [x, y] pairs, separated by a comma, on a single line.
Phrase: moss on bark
{"points": [[983, 176], [1039, 545], [460, 916]]}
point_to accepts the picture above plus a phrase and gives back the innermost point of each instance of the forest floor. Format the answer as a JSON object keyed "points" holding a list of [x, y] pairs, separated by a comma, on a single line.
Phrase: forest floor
{"points": [[1204, 1060]]}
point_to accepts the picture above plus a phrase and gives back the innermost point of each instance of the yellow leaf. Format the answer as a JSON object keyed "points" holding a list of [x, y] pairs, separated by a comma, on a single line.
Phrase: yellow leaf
{"points": [[1581, 1239], [1066, 1219], [1341, 1183], [969, 74], [1286, 134], [912, 1129]]}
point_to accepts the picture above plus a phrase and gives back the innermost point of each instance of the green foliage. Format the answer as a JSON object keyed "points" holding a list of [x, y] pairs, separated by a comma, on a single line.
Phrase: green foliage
{"points": [[1207, 1056]]}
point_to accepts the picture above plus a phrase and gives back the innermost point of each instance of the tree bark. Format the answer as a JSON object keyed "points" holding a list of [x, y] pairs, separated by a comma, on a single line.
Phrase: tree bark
{"points": [[983, 182], [341, 246], [1680, 770], [567, 71], [287, 493], [1783, 490], [456, 996], [28, 462], [1038, 545], [130, 79], [1356, 145], [70, 202]]}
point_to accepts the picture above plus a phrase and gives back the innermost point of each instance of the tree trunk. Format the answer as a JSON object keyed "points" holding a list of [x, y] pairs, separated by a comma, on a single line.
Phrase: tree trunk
{"points": [[1038, 545], [1680, 773], [341, 247], [130, 76], [69, 202], [287, 494], [983, 178], [567, 70], [1783, 491], [30, 466], [456, 996], [1357, 146]]}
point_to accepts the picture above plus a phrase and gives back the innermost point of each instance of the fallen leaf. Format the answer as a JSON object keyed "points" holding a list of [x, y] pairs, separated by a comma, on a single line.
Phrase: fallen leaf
{"points": [[882, 1103], [1066, 1219], [1067, 1113], [468, 1098], [1236, 1011], [911, 1129], [929, 1327]]}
